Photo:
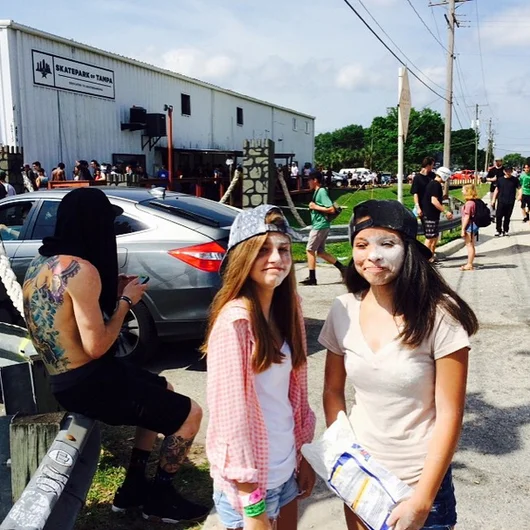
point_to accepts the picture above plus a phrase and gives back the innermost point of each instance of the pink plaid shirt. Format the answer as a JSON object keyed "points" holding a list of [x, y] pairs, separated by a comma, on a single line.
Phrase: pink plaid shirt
{"points": [[236, 440]]}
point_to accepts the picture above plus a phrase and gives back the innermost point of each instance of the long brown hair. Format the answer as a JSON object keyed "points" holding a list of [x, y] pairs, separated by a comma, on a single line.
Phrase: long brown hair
{"points": [[285, 308]]}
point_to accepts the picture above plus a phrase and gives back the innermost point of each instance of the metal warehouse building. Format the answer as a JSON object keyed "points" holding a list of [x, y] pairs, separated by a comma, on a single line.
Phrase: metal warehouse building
{"points": [[62, 101]]}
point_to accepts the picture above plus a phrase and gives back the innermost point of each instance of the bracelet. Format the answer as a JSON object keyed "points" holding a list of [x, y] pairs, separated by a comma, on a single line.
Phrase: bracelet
{"points": [[126, 299], [255, 510], [251, 498]]}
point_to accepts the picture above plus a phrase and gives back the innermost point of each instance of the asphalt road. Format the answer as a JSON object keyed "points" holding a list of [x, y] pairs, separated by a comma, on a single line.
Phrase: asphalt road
{"points": [[492, 464]]}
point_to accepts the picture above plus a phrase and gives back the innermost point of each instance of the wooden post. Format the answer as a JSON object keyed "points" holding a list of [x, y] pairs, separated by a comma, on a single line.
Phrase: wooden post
{"points": [[30, 439]]}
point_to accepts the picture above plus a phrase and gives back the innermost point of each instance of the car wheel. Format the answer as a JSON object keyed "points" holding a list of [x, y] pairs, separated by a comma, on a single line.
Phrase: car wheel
{"points": [[338, 184], [138, 340]]}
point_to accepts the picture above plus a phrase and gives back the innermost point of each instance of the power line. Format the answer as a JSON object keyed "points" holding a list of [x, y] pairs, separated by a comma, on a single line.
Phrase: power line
{"points": [[481, 57], [438, 40], [435, 22], [392, 52], [461, 83], [396, 46]]}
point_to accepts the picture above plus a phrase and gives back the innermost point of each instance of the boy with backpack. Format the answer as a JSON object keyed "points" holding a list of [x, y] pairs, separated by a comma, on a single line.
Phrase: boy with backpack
{"points": [[322, 208]]}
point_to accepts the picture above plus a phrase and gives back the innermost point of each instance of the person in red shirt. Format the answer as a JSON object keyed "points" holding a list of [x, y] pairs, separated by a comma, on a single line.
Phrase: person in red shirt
{"points": [[469, 228]]}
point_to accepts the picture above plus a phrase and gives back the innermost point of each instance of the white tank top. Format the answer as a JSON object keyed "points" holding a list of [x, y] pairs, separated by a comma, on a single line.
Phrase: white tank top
{"points": [[272, 388]]}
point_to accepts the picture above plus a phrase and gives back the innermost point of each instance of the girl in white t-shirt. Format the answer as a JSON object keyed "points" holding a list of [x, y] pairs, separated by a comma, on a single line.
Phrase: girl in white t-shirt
{"points": [[257, 380], [401, 338]]}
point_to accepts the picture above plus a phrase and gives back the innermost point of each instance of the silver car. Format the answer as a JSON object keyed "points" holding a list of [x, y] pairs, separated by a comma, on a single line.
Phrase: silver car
{"points": [[177, 240]]}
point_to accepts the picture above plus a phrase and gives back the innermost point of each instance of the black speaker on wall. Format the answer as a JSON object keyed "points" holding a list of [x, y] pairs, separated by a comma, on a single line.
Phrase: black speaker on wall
{"points": [[156, 125], [137, 115]]}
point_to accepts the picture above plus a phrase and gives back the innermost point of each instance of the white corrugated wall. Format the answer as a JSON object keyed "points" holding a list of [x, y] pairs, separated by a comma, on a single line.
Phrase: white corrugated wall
{"points": [[56, 125]]}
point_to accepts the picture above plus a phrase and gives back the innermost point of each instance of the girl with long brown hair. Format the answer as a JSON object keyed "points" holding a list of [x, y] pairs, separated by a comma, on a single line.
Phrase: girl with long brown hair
{"points": [[400, 337], [257, 379]]}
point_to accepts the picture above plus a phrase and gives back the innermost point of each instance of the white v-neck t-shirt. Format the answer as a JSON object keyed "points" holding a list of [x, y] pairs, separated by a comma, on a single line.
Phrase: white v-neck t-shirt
{"points": [[272, 388], [394, 410]]}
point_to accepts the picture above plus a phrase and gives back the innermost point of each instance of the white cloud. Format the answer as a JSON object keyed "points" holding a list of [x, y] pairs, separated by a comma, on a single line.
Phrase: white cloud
{"points": [[508, 29], [195, 63]]}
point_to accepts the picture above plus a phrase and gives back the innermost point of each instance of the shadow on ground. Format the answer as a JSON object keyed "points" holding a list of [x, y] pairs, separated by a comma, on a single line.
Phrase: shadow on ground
{"points": [[193, 481], [493, 430]]}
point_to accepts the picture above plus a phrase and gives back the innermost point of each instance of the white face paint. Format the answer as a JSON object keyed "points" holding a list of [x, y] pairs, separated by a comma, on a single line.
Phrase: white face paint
{"points": [[378, 255], [274, 261]]}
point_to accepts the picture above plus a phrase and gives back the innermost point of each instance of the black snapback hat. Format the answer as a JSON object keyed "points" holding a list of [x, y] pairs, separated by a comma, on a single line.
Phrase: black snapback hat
{"points": [[386, 214]]}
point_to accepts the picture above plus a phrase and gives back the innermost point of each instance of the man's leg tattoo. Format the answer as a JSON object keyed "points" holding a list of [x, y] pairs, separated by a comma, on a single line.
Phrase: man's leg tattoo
{"points": [[174, 451]]}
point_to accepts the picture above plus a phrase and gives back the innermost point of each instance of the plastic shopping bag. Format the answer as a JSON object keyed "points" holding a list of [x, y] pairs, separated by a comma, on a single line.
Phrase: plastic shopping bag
{"points": [[369, 489]]}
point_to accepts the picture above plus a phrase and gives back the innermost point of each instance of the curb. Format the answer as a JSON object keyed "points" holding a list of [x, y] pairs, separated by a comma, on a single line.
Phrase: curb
{"points": [[450, 248]]}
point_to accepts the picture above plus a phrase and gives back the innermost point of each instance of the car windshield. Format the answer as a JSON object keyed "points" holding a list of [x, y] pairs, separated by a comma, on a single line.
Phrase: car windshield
{"points": [[196, 209]]}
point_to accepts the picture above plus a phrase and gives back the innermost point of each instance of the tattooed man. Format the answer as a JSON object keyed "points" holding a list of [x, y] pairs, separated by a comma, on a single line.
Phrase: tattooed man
{"points": [[75, 304]]}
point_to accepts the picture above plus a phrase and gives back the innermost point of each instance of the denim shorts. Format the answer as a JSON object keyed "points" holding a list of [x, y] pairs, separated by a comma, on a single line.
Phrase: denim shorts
{"points": [[472, 228], [276, 499], [443, 511]]}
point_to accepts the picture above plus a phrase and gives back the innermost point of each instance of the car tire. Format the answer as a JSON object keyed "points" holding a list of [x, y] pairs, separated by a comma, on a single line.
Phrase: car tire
{"points": [[138, 342]]}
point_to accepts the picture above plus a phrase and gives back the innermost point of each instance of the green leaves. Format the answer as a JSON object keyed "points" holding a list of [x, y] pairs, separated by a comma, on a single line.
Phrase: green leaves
{"points": [[375, 147]]}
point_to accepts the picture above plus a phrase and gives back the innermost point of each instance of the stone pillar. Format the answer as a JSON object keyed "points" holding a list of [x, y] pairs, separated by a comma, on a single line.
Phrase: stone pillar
{"points": [[259, 173], [11, 161]]}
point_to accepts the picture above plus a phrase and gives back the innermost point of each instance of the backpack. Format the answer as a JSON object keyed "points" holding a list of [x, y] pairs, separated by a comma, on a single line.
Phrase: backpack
{"points": [[337, 210], [482, 217]]}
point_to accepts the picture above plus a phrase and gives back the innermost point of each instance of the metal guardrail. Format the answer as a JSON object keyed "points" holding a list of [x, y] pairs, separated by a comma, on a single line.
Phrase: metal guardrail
{"points": [[57, 491], [339, 233]]}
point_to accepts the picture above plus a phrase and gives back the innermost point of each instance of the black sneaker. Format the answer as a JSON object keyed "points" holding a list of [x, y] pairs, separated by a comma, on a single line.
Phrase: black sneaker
{"points": [[167, 506], [130, 495], [525, 219], [308, 281]]}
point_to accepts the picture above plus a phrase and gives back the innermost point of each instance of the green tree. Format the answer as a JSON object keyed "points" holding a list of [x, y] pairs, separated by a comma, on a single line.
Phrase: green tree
{"points": [[514, 160], [425, 138], [463, 150], [340, 148]]}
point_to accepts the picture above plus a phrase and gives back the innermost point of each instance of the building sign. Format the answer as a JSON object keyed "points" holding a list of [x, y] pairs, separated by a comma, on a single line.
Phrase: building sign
{"points": [[57, 72]]}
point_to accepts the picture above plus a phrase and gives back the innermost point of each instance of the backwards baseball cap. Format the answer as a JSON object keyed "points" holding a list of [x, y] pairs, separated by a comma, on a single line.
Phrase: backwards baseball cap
{"points": [[444, 173], [386, 214], [251, 223]]}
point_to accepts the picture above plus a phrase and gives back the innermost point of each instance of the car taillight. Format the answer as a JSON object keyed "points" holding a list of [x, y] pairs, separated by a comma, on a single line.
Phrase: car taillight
{"points": [[206, 257]]}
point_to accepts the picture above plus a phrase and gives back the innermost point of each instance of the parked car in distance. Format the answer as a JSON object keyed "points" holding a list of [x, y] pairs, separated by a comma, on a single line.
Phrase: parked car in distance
{"points": [[339, 179], [463, 174], [177, 240]]}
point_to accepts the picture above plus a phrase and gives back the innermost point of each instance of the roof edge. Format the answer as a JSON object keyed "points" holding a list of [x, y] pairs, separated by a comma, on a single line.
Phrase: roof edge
{"points": [[69, 42]]}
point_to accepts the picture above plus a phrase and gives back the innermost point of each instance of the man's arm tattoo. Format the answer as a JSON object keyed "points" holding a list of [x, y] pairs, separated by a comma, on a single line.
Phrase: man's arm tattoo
{"points": [[174, 451]]}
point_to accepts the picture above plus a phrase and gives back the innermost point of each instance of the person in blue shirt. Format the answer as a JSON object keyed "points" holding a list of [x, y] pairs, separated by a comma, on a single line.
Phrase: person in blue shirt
{"points": [[162, 173]]}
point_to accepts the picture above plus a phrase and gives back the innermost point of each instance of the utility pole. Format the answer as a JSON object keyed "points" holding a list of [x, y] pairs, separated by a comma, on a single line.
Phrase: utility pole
{"points": [[489, 148], [452, 23], [477, 127]]}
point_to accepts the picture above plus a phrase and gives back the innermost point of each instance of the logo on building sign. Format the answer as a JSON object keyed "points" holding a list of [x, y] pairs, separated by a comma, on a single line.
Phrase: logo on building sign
{"points": [[65, 74], [43, 68]]}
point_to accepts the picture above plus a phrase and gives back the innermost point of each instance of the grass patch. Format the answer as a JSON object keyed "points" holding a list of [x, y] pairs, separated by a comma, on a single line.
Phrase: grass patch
{"points": [[348, 199], [193, 481]]}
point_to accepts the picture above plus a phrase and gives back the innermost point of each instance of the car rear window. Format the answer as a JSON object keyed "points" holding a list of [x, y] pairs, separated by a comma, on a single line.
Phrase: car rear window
{"points": [[195, 208]]}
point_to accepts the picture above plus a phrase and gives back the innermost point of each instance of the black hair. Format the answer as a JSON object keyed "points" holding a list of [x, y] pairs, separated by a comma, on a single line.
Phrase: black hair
{"points": [[427, 161], [38, 164], [419, 292], [317, 176], [60, 165]]}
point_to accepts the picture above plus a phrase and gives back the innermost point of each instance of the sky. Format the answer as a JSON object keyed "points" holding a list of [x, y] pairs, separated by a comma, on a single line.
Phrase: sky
{"points": [[316, 56]]}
